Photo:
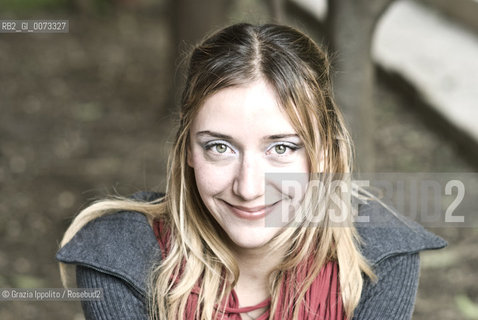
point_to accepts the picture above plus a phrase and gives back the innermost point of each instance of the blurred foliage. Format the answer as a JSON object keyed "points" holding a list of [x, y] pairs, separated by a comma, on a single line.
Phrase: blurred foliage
{"points": [[33, 5], [27, 281], [467, 307], [3, 282], [439, 259], [88, 112]]}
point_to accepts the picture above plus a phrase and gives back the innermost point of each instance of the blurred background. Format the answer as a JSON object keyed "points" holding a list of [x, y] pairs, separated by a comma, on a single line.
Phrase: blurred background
{"points": [[92, 112]]}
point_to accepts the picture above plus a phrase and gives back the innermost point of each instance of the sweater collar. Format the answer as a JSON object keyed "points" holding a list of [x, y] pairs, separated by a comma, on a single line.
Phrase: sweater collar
{"points": [[123, 244]]}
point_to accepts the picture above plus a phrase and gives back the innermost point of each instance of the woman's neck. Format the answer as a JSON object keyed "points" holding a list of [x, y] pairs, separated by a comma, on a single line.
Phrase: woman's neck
{"points": [[255, 266]]}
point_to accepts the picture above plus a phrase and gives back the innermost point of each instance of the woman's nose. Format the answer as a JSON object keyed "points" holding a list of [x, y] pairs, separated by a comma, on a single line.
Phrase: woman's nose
{"points": [[249, 180]]}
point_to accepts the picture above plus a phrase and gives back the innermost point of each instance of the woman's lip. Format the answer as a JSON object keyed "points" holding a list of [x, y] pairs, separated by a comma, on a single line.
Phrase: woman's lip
{"points": [[251, 213], [253, 209]]}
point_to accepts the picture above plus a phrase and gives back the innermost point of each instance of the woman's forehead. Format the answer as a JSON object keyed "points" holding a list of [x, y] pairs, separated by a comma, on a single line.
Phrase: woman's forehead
{"points": [[241, 108]]}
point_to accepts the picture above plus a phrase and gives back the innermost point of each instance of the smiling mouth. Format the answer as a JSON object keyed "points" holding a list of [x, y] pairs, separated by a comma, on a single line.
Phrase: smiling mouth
{"points": [[251, 213]]}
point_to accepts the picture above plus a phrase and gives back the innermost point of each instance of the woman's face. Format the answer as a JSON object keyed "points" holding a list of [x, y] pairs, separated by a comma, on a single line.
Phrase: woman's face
{"points": [[239, 135]]}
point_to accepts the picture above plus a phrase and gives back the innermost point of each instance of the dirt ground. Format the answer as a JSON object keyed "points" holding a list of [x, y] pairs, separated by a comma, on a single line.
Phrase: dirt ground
{"points": [[86, 114]]}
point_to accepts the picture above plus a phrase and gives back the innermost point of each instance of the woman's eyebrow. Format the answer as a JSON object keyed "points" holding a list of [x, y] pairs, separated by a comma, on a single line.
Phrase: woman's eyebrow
{"points": [[213, 134], [226, 137], [282, 136]]}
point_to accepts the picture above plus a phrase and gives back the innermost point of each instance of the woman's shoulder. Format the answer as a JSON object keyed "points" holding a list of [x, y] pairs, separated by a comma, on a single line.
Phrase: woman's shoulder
{"points": [[121, 244], [385, 233], [124, 245]]}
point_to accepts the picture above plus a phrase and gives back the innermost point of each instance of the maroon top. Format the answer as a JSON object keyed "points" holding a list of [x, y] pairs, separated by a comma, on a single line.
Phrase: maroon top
{"points": [[322, 300]]}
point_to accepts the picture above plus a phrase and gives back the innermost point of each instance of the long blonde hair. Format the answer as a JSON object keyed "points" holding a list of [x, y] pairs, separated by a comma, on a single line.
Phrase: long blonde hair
{"points": [[298, 70]]}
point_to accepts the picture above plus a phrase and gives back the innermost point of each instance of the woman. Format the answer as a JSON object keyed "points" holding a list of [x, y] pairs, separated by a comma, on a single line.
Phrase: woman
{"points": [[257, 104]]}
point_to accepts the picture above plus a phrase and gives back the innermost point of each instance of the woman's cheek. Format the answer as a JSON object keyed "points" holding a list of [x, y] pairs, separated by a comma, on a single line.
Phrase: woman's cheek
{"points": [[212, 179]]}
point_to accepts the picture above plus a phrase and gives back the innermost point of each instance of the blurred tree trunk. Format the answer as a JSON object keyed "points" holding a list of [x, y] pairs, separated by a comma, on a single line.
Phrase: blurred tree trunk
{"points": [[191, 20], [350, 28], [276, 10]]}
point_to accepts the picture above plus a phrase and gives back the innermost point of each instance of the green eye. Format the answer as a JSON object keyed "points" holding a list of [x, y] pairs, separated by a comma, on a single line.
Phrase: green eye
{"points": [[220, 148], [280, 149]]}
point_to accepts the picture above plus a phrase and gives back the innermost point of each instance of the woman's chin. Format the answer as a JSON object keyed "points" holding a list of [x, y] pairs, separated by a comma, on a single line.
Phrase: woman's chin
{"points": [[253, 239]]}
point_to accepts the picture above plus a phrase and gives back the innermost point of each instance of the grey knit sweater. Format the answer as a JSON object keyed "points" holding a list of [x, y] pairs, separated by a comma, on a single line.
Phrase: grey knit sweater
{"points": [[115, 252]]}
